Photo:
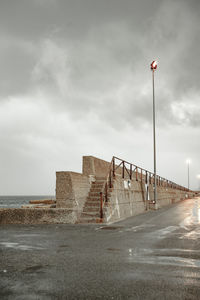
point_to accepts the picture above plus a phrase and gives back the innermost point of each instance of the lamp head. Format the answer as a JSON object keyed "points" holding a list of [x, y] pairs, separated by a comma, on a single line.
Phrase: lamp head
{"points": [[188, 161], [154, 65]]}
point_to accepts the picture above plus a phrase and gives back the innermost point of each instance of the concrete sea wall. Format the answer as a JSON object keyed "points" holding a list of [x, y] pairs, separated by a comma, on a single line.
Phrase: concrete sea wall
{"points": [[71, 190], [126, 197], [95, 166], [36, 216], [130, 197]]}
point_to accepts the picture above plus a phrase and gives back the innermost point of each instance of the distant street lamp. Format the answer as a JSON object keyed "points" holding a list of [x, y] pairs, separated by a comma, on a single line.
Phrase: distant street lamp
{"points": [[188, 172], [153, 68]]}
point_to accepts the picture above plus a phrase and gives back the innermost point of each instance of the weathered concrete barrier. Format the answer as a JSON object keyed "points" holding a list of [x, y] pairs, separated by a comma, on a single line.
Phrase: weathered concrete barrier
{"points": [[37, 216], [81, 192], [130, 197], [104, 192]]}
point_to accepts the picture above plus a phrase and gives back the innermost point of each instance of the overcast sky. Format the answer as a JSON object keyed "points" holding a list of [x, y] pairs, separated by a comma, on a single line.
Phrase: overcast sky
{"points": [[75, 80]]}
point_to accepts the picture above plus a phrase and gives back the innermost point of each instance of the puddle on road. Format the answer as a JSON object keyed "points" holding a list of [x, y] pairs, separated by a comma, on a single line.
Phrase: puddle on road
{"points": [[29, 235], [33, 268], [194, 216], [192, 235], [140, 227], [166, 260], [162, 233], [111, 227], [17, 246], [171, 257], [113, 249]]}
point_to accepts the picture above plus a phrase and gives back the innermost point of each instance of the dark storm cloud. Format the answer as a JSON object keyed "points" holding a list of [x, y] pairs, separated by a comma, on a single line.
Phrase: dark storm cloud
{"points": [[16, 64], [91, 52], [76, 75], [33, 18]]}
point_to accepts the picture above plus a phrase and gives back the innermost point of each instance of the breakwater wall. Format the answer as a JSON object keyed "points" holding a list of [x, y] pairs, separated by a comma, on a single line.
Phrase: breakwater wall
{"points": [[36, 216], [103, 192], [131, 192], [130, 197]]}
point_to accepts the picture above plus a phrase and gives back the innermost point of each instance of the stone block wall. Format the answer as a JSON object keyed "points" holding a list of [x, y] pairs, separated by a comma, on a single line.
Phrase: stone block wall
{"points": [[127, 198], [72, 190], [127, 201], [37, 216], [95, 166]]}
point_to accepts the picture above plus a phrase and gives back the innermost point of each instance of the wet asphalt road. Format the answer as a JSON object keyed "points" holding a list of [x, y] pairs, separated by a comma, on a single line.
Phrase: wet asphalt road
{"points": [[152, 256]]}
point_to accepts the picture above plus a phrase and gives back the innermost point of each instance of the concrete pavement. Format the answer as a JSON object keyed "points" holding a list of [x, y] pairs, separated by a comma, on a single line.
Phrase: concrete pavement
{"points": [[155, 255]]}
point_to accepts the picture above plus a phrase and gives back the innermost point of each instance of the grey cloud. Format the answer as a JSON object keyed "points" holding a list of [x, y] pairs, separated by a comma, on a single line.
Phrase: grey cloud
{"points": [[75, 79], [15, 70]]}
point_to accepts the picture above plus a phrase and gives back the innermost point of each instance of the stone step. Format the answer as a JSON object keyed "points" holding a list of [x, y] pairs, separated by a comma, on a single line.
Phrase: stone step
{"points": [[93, 200], [96, 198], [100, 178], [91, 209], [98, 186], [96, 189], [91, 214], [94, 194], [98, 183]]}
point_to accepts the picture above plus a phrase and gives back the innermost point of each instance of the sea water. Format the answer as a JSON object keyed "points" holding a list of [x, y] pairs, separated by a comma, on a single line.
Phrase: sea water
{"points": [[18, 201]]}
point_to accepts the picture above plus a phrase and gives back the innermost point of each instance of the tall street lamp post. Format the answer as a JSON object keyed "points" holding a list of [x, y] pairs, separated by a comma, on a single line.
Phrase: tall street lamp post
{"points": [[198, 177], [188, 172], [153, 68]]}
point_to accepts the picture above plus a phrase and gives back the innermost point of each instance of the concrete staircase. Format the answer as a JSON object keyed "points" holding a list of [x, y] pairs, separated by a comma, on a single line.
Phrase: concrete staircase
{"points": [[91, 210]]}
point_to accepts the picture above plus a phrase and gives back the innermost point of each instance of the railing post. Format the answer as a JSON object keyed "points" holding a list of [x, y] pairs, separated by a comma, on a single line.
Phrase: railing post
{"points": [[123, 169], [110, 180], [146, 178], [113, 166], [149, 178], [131, 168], [141, 174], [106, 192], [101, 205], [136, 173]]}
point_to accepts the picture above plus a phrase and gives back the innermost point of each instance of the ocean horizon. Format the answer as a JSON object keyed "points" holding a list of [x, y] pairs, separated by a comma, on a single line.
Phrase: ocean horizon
{"points": [[16, 201]]}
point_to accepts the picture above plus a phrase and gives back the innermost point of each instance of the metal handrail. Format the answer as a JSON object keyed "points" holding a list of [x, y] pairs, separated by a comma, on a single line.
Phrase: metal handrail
{"points": [[143, 172], [104, 191], [130, 171]]}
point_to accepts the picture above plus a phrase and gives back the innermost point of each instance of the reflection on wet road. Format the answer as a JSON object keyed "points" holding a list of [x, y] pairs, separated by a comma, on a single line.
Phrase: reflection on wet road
{"points": [[152, 256]]}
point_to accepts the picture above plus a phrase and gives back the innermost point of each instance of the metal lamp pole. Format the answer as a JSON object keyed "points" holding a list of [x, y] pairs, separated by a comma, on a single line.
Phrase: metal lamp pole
{"points": [[153, 68], [188, 171]]}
